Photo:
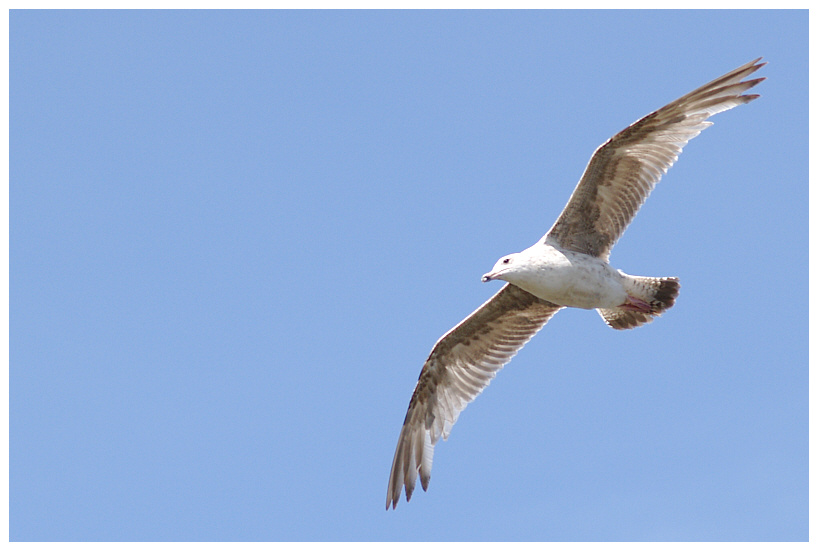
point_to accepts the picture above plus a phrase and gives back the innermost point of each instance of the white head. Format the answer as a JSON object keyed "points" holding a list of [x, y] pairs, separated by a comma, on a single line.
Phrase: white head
{"points": [[506, 267]]}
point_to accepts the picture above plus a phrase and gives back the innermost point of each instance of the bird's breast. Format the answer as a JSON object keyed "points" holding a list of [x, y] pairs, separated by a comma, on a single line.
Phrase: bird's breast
{"points": [[572, 279]]}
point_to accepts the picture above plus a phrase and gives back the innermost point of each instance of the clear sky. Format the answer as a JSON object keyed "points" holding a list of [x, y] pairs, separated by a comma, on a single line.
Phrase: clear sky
{"points": [[235, 237]]}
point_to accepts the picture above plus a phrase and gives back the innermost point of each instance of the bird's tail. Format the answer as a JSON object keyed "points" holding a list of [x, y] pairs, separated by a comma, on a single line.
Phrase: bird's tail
{"points": [[647, 297]]}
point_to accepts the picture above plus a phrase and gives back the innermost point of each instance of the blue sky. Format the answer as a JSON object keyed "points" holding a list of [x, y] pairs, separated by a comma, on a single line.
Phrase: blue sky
{"points": [[235, 237]]}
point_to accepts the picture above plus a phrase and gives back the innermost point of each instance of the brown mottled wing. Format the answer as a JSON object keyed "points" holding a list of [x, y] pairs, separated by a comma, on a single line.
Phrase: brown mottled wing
{"points": [[623, 171], [462, 363]]}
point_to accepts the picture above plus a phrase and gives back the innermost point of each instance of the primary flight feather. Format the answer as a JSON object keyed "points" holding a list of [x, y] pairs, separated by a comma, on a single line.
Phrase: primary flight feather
{"points": [[568, 267]]}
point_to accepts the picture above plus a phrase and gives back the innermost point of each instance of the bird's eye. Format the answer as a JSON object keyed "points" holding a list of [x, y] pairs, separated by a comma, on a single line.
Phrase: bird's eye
{"points": [[506, 260]]}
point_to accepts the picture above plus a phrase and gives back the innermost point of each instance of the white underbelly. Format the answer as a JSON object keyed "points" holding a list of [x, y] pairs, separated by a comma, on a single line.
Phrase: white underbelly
{"points": [[576, 280]]}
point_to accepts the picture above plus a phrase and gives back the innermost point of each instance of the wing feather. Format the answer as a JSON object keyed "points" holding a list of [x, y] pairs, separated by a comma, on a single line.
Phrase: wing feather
{"points": [[462, 363], [624, 170]]}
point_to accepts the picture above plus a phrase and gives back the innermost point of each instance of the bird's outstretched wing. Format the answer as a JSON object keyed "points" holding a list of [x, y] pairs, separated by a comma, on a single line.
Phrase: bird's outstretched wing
{"points": [[462, 363], [624, 170]]}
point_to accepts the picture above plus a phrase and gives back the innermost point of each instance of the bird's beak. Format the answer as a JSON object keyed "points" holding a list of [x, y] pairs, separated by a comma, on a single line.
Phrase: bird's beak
{"points": [[487, 277]]}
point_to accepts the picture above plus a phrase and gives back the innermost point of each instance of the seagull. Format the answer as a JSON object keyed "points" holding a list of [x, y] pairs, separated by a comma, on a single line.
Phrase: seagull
{"points": [[568, 267]]}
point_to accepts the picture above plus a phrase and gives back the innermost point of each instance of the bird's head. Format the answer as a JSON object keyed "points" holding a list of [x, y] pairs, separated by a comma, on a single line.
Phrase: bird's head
{"points": [[505, 266]]}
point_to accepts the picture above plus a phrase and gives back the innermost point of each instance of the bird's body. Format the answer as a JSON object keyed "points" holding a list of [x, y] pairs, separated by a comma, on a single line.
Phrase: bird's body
{"points": [[568, 267], [564, 277]]}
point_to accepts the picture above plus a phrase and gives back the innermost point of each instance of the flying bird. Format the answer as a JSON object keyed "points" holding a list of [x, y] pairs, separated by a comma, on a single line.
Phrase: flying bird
{"points": [[568, 267]]}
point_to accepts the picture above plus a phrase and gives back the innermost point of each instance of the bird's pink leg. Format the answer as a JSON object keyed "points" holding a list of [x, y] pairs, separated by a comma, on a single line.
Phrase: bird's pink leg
{"points": [[636, 304]]}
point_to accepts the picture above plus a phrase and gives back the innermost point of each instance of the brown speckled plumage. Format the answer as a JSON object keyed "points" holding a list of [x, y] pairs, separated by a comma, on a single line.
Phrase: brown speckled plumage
{"points": [[619, 177]]}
